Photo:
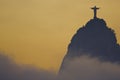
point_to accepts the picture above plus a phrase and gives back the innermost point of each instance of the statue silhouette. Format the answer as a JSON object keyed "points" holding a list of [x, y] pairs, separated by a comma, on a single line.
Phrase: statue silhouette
{"points": [[95, 11]]}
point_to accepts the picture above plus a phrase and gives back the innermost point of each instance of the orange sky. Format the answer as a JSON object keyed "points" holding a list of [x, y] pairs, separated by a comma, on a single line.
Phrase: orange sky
{"points": [[37, 32]]}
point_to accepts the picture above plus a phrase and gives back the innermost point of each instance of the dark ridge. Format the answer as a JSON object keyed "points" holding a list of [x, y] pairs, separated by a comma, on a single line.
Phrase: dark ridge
{"points": [[96, 40]]}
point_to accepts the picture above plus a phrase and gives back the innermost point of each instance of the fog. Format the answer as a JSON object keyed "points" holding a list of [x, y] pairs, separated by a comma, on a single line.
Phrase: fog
{"points": [[83, 68]]}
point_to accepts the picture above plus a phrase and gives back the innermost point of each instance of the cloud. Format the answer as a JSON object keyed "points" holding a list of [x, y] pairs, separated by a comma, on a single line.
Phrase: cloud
{"points": [[84, 68], [9, 70]]}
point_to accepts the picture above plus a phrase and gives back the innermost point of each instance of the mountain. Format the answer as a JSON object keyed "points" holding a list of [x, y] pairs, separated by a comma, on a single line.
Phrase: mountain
{"points": [[95, 40]]}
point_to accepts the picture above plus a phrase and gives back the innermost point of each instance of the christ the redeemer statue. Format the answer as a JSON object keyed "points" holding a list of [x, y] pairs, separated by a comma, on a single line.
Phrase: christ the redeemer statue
{"points": [[95, 11]]}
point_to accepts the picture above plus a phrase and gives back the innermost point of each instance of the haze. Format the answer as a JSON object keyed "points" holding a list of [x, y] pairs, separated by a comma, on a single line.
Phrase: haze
{"points": [[37, 32]]}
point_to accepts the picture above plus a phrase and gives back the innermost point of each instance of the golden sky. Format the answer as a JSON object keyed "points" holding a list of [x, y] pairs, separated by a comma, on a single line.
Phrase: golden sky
{"points": [[37, 32]]}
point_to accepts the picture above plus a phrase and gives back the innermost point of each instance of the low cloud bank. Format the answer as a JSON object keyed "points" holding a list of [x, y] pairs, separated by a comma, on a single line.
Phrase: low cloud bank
{"points": [[9, 70], [83, 68], [86, 68]]}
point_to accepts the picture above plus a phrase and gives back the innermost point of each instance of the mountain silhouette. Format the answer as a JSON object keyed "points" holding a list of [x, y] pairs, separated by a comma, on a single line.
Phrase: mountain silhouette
{"points": [[95, 40]]}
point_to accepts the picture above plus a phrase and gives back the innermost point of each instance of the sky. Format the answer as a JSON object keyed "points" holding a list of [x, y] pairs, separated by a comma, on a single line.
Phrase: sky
{"points": [[37, 32]]}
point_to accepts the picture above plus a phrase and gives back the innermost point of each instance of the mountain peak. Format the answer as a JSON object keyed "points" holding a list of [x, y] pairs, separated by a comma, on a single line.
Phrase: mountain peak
{"points": [[95, 39], [96, 21]]}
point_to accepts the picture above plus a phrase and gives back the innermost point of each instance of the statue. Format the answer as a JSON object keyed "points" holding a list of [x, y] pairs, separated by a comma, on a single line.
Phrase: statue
{"points": [[95, 11]]}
